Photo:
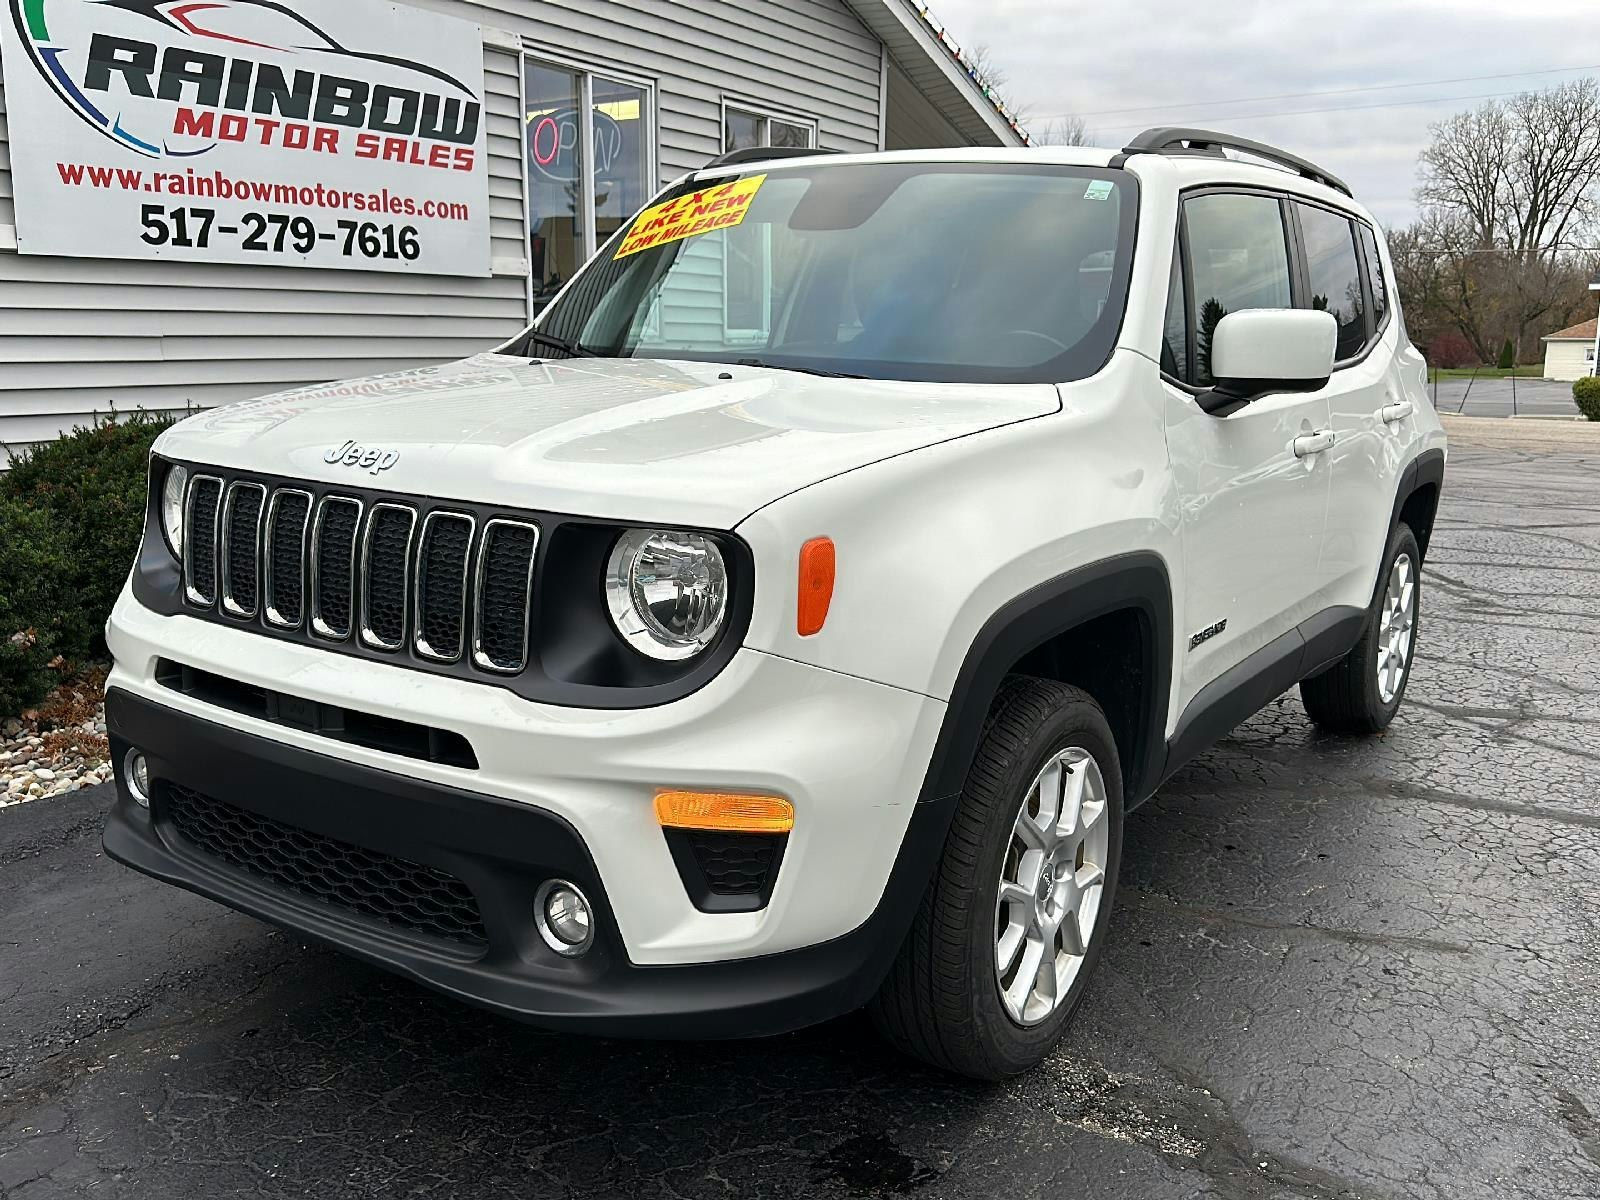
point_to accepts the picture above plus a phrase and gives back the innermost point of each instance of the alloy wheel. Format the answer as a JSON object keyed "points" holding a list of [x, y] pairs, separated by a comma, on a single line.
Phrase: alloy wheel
{"points": [[1051, 885]]}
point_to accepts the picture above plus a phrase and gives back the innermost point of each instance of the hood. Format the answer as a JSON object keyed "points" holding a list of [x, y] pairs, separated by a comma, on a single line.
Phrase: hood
{"points": [[629, 439]]}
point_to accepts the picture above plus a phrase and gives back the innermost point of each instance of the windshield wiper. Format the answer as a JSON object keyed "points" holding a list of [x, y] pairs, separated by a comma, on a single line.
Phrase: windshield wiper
{"points": [[575, 349], [756, 362]]}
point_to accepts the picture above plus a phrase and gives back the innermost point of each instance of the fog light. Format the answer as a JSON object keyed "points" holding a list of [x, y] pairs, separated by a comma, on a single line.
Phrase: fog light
{"points": [[563, 917], [136, 773]]}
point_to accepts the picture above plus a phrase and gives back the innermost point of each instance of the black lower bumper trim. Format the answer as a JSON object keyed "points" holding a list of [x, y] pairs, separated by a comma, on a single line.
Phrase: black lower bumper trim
{"points": [[502, 851]]}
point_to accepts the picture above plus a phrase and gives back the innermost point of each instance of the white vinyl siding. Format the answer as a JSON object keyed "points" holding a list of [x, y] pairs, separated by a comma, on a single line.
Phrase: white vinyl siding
{"points": [[1568, 360], [81, 337], [86, 337]]}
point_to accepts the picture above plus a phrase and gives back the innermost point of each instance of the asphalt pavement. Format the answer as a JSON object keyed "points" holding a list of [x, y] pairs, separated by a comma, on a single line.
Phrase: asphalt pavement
{"points": [[1340, 968], [1499, 398]]}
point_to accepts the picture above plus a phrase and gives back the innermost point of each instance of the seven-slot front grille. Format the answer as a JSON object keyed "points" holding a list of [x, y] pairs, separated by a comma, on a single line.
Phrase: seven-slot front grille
{"points": [[386, 576]]}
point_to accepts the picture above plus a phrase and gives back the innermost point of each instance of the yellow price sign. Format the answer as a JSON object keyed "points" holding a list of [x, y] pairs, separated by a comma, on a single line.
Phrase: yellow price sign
{"points": [[712, 208]]}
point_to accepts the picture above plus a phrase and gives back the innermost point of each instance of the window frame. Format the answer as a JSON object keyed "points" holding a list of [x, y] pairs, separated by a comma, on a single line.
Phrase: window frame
{"points": [[1299, 271], [589, 242], [764, 115]]}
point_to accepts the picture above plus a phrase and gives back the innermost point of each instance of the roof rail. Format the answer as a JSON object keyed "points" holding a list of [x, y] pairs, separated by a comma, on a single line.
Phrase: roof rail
{"points": [[1177, 140], [736, 158]]}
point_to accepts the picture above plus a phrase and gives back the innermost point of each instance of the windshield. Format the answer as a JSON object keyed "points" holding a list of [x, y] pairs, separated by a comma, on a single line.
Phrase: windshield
{"points": [[918, 271]]}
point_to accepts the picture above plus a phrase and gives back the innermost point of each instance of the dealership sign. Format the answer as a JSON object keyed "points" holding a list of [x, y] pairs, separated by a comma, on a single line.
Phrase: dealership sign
{"points": [[329, 133]]}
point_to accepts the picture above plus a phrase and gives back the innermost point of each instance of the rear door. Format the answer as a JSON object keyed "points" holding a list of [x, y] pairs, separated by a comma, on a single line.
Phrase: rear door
{"points": [[1373, 424], [1254, 511]]}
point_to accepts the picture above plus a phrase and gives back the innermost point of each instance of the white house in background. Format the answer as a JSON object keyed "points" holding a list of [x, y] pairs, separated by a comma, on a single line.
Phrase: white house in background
{"points": [[1570, 353]]}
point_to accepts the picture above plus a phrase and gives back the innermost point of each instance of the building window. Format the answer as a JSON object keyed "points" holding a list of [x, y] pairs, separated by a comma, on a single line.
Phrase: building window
{"points": [[591, 153], [745, 129]]}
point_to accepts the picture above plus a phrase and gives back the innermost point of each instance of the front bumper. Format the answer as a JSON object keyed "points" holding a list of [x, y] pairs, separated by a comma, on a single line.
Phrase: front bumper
{"points": [[502, 850]]}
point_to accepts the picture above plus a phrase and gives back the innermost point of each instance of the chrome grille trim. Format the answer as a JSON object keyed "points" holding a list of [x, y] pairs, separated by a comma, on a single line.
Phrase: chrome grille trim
{"points": [[422, 579], [480, 658], [319, 625], [224, 555], [192, 593], [269, 542], [369, 636]]}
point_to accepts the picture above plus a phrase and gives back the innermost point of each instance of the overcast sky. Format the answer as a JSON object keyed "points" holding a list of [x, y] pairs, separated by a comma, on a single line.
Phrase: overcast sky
{"points": [[1179, 60]]}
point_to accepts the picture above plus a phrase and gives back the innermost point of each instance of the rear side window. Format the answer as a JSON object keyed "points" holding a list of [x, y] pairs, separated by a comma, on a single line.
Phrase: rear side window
{"points": [[1238, 259], [1380, 285], [1333, 275]]}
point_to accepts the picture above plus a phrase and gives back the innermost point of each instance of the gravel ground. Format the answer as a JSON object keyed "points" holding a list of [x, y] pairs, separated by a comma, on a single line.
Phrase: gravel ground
{"points": [[57, 748], [1339, 969]]}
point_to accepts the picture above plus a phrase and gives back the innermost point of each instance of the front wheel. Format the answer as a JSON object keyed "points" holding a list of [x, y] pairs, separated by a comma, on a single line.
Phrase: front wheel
{"points": [[1362, 691], [1013, 923]]}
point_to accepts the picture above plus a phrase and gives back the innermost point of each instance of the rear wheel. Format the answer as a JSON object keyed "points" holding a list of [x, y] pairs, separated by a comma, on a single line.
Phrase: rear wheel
{"points": [[1012, 925], [1362, 691]]}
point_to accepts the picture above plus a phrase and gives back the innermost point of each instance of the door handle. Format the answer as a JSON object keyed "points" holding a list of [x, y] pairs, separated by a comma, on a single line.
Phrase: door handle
{"points": [[1312, 443], [1390, 413]]}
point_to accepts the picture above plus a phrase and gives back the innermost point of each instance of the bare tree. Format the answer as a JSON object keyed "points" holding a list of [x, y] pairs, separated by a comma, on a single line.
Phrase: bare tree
{"points": [[1507, 191], [1062, 131]]}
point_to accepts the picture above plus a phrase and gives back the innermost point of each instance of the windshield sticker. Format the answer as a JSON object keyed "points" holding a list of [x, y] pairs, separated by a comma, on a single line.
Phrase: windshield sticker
{"points": [[719, 207], [1098, 189]]}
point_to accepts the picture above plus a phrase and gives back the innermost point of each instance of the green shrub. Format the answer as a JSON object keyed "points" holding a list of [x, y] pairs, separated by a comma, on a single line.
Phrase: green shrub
{"points": [[1508, 356], [1586, 394], [89, 488], [32, 563]]}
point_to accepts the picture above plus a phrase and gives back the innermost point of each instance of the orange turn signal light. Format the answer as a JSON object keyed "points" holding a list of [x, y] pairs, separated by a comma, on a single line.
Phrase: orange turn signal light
{"points": [[724, 812], [816, 585]]}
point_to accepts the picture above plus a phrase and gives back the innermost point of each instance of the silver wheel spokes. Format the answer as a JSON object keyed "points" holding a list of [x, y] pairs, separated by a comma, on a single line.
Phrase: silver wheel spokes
{"points": [[1396, 620], [1051, 884]]}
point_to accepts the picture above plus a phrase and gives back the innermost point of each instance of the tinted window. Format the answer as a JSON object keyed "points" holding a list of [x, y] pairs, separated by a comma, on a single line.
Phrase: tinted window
{"points": [[1239, 258], [1333, 275], [1175, 336], [1380, 285]]}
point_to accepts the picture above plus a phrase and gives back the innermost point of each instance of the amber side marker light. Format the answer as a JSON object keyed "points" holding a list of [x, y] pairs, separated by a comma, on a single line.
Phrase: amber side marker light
{"points": [[724, 812], [816, 585]]}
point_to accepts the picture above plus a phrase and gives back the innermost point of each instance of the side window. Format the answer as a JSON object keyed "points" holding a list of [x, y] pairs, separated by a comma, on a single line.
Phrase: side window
{"points": [[1380, 285], [1238, 258], [1175, 334], [1333, 275]]}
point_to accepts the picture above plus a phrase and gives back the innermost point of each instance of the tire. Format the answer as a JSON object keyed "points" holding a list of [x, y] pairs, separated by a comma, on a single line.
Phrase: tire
{"points": [[942, 1001], [1348, 697]]}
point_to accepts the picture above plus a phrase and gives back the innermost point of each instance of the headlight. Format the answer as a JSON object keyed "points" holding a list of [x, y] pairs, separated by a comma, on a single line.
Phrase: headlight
{"points": [[173, 488], [667, 591]]}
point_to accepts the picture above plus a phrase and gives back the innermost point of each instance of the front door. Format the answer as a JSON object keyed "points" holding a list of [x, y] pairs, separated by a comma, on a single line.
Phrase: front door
{"points": [[1253, 486]]}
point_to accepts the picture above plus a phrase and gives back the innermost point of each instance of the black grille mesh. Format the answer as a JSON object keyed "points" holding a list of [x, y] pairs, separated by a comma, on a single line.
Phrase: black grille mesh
{"points": [[735, 864], [288, 550], [205, 496], [441, 585], [402, 893], [503, 599], [336, 539], [244, 532], [388, 552]]}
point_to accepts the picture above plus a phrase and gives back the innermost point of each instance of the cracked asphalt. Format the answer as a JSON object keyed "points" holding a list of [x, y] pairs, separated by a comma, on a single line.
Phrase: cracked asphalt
{"points": [[1340, 968]]}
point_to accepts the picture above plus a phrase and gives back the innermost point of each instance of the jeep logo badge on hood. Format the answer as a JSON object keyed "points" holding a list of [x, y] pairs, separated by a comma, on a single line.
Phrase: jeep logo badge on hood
{"points": [[370, 458]]}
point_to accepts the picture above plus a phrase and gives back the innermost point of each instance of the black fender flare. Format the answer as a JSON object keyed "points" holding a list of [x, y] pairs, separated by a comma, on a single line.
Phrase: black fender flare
{"points": [[1425, 469], [1137, 581]]}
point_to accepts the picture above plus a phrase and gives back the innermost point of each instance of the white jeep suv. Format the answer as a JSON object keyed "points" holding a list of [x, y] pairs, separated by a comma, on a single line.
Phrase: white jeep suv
{"points": [[786, 622]]}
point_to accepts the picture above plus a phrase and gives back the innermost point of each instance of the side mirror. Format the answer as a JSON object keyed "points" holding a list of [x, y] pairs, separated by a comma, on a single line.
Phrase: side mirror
{"points": [[1262, 350]]}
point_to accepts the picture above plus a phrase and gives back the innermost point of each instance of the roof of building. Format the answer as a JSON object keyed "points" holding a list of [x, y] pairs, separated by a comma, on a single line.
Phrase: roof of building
{"points": [[1583, 331], [934, 62]]}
